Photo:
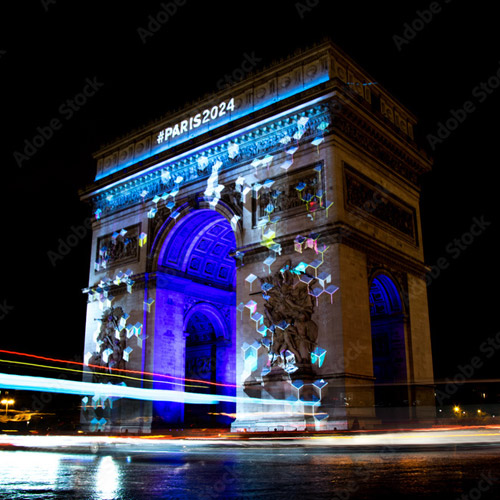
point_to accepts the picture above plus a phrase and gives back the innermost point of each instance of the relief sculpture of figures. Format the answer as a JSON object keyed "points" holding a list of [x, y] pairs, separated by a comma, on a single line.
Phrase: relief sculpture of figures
{"points": [[290, 307], [110, 354]]}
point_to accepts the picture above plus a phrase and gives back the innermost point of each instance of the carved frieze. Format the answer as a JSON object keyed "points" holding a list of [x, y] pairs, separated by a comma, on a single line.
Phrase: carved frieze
{"points": [[373, 142], [116, 249], [284, 196], [368, 199], [260, 142]]}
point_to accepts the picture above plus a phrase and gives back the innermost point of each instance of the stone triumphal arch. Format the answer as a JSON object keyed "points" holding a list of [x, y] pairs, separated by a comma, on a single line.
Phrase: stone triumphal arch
{"points": [[263, 248]]}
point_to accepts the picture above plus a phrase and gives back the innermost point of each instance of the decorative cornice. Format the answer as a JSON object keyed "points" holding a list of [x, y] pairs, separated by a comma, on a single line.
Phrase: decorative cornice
{"points": [[393, 157], [345, 234], [259, 142], [305, 70]]}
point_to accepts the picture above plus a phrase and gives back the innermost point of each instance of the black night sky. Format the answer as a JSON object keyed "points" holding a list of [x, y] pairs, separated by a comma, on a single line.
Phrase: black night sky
{"points": [[48, 50]]}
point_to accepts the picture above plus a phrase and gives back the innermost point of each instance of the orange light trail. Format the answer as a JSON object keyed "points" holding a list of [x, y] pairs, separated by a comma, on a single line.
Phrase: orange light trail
{"points": [[79, 363]]}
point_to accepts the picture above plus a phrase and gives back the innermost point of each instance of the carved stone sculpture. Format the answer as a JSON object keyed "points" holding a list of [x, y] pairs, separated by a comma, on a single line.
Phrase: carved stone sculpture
{"points": [[288, 315], [110, 354]]}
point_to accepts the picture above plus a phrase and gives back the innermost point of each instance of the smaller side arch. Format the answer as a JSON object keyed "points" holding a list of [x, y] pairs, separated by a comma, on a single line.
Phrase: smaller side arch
{"points": [[389, 346], [391, 289]]}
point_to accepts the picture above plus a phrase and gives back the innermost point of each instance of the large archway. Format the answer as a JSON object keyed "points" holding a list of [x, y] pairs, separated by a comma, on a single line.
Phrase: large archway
{"points": [[389, 349], [195, 320]]}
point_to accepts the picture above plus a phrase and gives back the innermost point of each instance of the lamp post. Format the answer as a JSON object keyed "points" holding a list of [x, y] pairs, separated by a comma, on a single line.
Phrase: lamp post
{"points": [[7, 402]]}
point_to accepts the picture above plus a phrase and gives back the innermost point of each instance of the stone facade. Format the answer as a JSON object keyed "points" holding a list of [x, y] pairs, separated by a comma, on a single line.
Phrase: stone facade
{"points": [[312, 148]]}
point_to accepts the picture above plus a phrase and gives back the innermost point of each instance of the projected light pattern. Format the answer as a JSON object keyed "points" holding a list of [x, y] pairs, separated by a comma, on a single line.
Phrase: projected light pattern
{"points": [[277, 144], [277, 331], [196, 165], [158, 146], [61, 386]]}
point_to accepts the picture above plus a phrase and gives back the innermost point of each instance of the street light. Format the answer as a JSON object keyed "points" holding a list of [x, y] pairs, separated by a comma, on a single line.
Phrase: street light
{"points": [[7, 402]]}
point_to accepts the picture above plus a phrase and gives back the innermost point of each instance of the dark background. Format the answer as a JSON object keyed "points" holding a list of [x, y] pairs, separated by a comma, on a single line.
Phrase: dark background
{"points": [[48, 51]]}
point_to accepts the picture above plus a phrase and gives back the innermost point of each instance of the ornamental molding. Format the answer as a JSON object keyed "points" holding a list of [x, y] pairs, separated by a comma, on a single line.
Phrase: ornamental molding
{"points": [[262, 141], [393, 157]]}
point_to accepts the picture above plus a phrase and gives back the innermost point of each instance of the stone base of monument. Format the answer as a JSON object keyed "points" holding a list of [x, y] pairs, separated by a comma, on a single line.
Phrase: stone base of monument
{"points": [[281, 401]]}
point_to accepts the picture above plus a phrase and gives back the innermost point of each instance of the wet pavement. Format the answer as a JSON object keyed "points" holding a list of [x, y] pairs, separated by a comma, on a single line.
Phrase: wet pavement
{"points": [[317, 467]]}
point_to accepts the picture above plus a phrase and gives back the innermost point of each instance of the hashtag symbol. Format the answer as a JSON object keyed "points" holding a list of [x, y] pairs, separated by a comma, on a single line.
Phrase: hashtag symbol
{"points": [[160, 137]]}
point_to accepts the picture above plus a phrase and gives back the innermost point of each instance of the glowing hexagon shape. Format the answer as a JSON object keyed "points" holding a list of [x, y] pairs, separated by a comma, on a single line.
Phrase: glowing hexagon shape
{"points": [[138, 329], [269, 234], [148, 303], [250, 279], [129, 329], [300, 268], [258, 318], [252, 306], [123, 320], [318, 354], [298, 243], [269, 262], [315, 264], [300, 186], [118, 278], [316, 292], [240, 307], [282, 325], [276, 247], [262, 329], [331, 290], [126, 353], [320, 384], [106, 354]]}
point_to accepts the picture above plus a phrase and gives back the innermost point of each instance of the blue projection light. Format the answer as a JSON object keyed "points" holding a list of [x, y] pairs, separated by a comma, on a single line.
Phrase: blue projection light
{"points": [[161, 143]]}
